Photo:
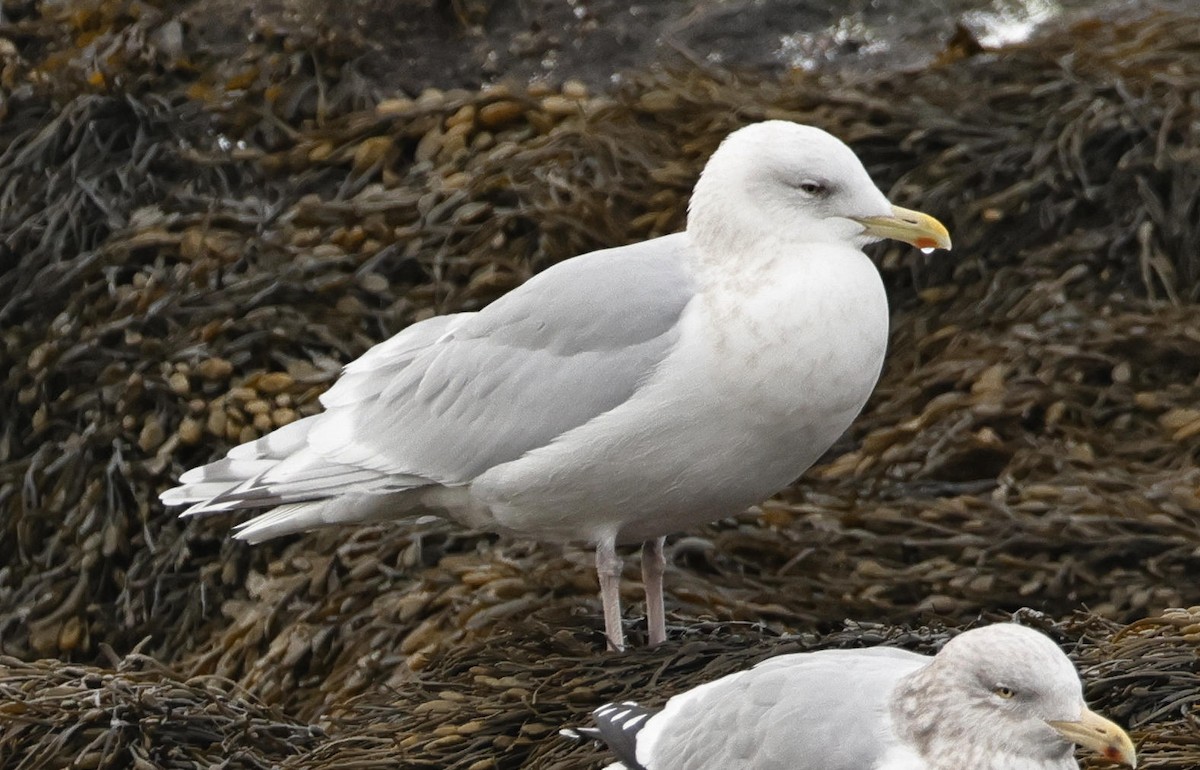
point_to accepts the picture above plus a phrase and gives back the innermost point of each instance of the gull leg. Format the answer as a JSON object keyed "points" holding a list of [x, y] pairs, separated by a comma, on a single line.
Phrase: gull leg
{"points": [[608, 569], [653, 564]]}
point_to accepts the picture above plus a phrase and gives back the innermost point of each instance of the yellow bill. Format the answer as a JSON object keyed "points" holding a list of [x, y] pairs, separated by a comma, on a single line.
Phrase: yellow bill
{"points": [[920, 230], [1095, 733]]}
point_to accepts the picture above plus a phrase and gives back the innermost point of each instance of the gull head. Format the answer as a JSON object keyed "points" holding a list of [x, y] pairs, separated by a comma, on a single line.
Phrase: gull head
{"points": [[784, 182], [1009, 694]]}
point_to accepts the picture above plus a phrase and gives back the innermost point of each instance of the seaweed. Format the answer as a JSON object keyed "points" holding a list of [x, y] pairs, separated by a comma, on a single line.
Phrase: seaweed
{"points": [[192, 243]]}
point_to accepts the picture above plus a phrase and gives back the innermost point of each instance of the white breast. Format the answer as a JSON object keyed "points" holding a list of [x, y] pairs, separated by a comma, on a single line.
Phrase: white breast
{"points": [[768, 373]]}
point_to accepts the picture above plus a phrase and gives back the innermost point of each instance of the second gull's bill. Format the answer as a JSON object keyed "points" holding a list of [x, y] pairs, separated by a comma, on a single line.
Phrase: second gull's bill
{"points": [[619, 396], [1001, 697]]}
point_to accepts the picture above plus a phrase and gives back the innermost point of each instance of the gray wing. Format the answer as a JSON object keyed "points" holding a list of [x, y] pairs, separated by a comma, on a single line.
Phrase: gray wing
{"points": [[570, 344], [455, 395], [809, 711]]}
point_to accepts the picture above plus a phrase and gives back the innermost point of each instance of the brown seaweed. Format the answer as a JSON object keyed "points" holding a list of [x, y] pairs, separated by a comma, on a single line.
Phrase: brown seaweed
{"points": [[193, 243]]}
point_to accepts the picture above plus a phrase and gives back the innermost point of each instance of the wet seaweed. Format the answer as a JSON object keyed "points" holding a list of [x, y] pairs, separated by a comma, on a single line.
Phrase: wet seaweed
{"points": [[139, 714], [193, 243]]}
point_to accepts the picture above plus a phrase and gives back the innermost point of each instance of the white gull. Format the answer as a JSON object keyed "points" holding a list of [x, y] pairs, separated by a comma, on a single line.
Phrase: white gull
{"points": [[619, 396]]}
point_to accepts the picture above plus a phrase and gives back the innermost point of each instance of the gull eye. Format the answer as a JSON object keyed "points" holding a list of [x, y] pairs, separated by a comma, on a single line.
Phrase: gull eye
{"points": [[1004, 691], [815, 189]]}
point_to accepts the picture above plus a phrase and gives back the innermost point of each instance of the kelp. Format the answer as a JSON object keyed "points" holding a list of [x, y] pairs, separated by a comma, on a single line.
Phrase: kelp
{"points": [[194, 242]]}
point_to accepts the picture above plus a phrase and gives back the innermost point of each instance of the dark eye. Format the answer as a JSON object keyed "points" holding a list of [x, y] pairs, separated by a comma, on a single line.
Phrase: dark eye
{"points": [[1005, 692], [815, 189]]}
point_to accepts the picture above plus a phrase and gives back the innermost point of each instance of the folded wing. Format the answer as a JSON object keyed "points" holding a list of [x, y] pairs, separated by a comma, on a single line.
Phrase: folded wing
{"points": [[450, 397]]}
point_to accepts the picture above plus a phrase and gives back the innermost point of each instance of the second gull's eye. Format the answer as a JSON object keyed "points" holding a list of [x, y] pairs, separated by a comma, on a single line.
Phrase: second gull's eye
{"points": [[815, 189]]}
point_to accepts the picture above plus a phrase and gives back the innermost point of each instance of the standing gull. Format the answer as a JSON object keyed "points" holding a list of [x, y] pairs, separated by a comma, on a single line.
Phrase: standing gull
{"points": [[619, 396], [1001, 697]]}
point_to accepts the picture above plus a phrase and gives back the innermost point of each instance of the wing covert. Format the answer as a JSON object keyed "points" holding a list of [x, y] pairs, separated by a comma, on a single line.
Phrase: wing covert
{"points": [[477, 390], [790, 712]]}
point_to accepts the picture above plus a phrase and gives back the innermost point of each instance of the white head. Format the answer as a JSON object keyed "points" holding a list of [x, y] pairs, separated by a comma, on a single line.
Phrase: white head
{"points": [[1009, 694], [796, 184]]}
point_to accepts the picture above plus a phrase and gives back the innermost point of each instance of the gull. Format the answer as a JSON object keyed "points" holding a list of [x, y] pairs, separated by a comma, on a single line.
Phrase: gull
{"points": [[618, 396], [1000, 697]]}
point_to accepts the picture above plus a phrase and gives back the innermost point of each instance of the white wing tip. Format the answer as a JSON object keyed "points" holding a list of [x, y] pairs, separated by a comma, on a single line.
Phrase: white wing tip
{"points": [[200, 500], [207, 506], [174, 496], [286, 519], [190, 477]]}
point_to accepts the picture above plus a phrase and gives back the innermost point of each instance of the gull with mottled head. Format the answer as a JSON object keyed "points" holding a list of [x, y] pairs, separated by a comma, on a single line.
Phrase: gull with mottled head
{"points": [[619, 396], [1001, 697]]}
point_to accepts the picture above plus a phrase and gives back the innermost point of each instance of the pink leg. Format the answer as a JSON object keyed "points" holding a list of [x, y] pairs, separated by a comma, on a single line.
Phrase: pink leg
{"points": [[653, 564], [608, 569]]}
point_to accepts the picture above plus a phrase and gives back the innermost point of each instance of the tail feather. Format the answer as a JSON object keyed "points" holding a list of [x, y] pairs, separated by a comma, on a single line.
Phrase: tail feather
{"points": [[284, 520], [229, 494], [281, 469], [193, 494], [259, 491], [313, 488], [242, 463], [355, 508], [205, 507]]}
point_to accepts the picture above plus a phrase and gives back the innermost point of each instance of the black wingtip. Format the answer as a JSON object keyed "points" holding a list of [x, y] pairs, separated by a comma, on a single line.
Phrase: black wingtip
{"points": [[618, 725]]}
